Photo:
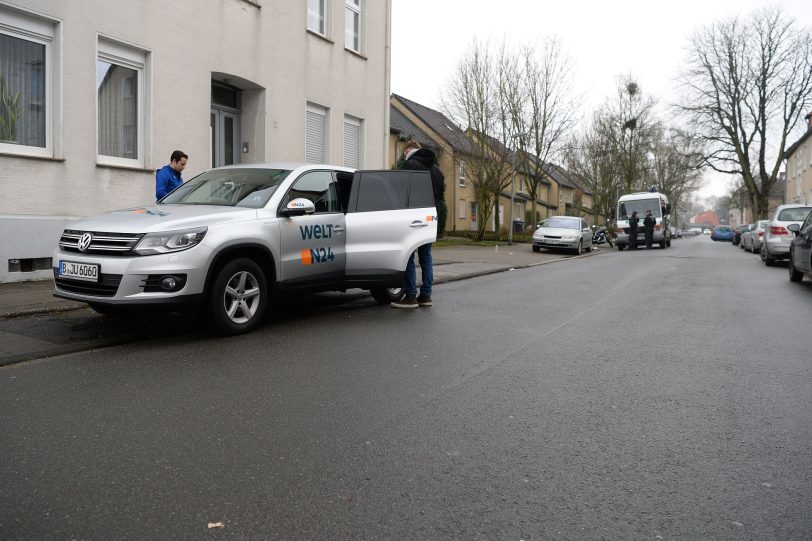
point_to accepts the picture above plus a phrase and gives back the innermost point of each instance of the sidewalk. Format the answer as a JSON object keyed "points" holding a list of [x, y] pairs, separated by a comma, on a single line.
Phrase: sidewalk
{"points": [[450, 263]]}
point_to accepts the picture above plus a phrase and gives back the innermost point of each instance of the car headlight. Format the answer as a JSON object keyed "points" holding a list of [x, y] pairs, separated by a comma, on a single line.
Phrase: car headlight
{"points": [[170, 241]]}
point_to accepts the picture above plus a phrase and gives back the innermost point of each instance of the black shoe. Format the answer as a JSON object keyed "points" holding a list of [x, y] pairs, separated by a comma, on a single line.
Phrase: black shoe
{"points": [[424, 300], [406, 302]]}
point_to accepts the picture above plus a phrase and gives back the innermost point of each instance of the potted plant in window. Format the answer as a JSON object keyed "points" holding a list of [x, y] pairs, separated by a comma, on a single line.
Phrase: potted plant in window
{"points": [[9, 112]]}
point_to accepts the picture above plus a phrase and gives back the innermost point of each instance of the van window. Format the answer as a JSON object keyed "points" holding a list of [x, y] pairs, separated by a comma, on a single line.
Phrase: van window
{"points": [[626, 208]]}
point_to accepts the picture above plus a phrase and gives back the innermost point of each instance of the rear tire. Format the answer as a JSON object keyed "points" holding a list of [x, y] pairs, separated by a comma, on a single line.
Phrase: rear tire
{"points": [[765, 257], [386, 295], [621, 247], [238, 297]]}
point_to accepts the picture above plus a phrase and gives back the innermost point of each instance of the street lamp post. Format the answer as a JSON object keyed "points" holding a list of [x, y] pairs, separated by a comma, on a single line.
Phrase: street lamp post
{"points": [[512, 191]]}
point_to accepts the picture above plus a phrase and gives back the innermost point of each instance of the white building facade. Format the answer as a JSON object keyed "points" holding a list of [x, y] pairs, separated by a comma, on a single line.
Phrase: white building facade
{"points": [[96, 94]]}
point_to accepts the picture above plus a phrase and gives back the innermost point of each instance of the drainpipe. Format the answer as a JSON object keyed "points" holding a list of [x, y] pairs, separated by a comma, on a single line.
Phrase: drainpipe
{"points": [[387, 81]]}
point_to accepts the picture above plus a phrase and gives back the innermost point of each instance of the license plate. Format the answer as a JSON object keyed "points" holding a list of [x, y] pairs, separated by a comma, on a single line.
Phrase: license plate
{"points": [[79, 271]]}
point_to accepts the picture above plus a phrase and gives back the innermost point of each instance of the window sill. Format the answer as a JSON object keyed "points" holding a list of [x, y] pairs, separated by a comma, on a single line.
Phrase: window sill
{"points": [[320, 36], [125, 168], [254, 3], [356, 53], [32, 157]]}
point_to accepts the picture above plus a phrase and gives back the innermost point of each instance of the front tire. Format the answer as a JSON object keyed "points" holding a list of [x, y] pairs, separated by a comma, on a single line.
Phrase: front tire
{"points": [[580, 247], [386, 295], [238, 297], [537, 249], [794, 274]]}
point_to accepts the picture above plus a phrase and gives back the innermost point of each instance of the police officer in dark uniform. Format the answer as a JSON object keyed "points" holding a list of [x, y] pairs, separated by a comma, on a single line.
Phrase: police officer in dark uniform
{"points": [[633, 221], [648, 227]]}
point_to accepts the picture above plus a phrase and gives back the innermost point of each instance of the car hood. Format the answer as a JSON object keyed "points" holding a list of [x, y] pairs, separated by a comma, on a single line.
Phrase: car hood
{"points": [[155, 218], [554, 232]]}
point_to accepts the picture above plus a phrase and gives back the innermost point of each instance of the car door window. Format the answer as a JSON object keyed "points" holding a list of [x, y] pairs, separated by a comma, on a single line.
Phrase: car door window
{"points": [[318, 187], [383, 190]]}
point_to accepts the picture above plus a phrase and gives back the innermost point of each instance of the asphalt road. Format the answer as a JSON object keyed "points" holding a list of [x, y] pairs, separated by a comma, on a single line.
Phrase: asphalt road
{"points": [[660, 394]]}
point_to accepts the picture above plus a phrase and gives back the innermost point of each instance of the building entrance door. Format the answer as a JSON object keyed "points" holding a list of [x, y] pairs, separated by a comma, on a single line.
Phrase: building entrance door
{"points": [[225, 137], [225, 125]]}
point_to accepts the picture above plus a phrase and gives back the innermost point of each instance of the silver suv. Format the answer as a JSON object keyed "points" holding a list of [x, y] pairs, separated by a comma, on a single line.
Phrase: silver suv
{"points": [[231, 236], [777, 238]]}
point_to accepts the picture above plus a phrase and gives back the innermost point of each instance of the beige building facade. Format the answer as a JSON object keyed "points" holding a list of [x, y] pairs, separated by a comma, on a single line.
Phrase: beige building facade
{"points": [[799, 168], [106, 90]]}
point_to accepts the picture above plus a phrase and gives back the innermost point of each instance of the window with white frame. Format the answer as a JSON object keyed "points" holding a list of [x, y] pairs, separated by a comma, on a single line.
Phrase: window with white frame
{"points": [[27, 78], [462, 173], [353, 134], [353, 23], [317, 16], [463, 208], [316, 134], [121, 109]]}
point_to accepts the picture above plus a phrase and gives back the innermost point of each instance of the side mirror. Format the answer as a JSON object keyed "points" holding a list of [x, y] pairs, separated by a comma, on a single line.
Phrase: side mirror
{"points": [[298, 207], [795, 228]]}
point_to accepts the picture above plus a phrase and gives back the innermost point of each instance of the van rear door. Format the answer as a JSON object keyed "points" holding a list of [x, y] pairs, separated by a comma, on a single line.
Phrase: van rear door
{"points": [[389, 214]]}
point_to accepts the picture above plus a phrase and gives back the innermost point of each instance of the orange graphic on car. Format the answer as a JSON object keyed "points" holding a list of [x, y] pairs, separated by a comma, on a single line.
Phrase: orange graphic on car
{"points": [[307, 257]]}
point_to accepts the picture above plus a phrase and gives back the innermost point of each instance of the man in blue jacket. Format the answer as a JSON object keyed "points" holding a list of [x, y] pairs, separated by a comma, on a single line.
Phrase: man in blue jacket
{"points": [[167, 178]]}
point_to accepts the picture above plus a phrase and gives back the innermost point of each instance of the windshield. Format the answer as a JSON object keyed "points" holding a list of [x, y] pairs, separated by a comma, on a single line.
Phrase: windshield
{"points": [[562, 223], [250, 188], [625, 208]]}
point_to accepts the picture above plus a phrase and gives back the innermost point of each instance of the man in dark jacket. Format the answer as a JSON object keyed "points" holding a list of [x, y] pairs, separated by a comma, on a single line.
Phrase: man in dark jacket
{"points": [[633, 221], [648, 228], [167, 178], [421, 159]]}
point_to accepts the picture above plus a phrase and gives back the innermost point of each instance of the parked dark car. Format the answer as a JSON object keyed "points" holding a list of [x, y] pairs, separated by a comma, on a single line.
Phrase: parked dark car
{"points": [[800, 250], [737, 233], [722, 232]]}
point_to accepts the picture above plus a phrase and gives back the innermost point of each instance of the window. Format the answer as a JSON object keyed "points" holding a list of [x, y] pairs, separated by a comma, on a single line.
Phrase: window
{"points": [[462, 209], [315, 134], [383, 191], [27, 75], [352, 25], [317, 16], [352, 142], [462, 176], [318, 187], [121, 88]]}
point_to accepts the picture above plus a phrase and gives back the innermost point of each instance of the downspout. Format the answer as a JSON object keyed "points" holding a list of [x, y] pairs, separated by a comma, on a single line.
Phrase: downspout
{"points": [[387, 81]]}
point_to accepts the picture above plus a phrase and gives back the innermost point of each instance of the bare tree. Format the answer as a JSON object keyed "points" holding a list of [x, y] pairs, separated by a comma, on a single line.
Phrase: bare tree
{"points": [[544, 111], [746, 86], [614, 152], [472, 99], [676, 161]]}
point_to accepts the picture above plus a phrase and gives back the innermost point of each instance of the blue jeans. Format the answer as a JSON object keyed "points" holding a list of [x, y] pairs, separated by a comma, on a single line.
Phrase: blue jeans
{"points": [[426, 269]]}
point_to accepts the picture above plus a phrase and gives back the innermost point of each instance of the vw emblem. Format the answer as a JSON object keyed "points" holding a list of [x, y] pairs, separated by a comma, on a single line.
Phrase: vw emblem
{"points": [[84, 242]]}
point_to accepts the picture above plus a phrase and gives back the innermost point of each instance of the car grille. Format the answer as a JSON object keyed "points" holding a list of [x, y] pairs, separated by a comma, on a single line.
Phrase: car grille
{"points": [[105, 287], [116, 244]]}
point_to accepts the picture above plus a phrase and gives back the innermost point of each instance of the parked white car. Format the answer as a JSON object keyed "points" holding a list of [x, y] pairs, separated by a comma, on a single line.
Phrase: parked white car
{"points": [[228, 237], [563, 232]]}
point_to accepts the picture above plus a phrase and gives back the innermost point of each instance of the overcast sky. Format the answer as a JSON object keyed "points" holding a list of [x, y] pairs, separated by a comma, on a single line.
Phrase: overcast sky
{"points": [[605, 39]]}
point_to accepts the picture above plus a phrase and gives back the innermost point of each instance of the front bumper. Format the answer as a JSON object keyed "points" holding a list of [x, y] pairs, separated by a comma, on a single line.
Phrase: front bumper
{"points": [[556, 244], [623, 238], [123, 280]]}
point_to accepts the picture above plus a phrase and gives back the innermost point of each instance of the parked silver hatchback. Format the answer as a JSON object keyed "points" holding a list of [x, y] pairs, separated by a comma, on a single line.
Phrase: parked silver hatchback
{"points": [[777, 238]]}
